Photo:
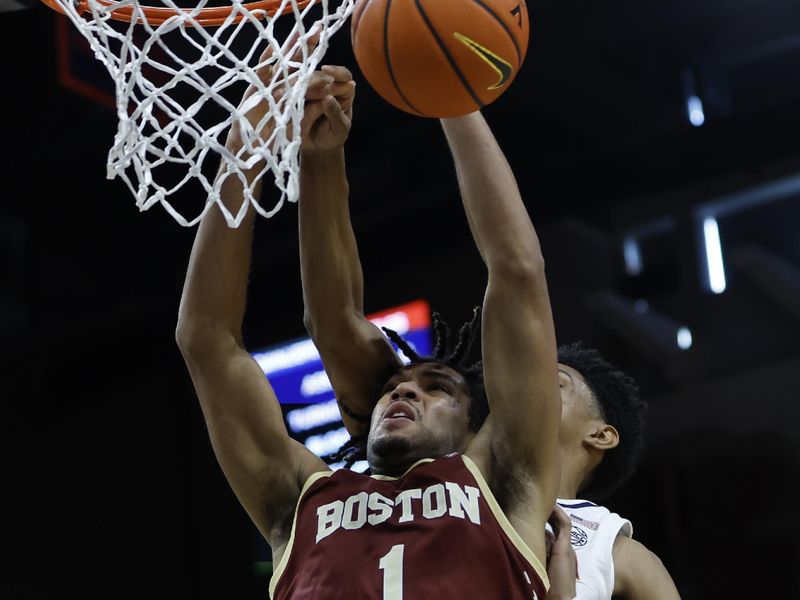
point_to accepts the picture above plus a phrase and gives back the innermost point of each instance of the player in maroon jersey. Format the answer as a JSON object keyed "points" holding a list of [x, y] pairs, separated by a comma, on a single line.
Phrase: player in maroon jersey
{"points": [[455, 507], [358, 358]]}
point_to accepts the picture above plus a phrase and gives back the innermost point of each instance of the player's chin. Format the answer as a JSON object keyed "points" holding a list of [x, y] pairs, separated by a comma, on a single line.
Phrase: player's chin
{"points": [[396, 443]]}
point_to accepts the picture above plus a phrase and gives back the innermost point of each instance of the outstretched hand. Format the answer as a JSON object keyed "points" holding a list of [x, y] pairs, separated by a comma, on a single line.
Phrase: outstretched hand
{"points": [[329, 109], [256, 113], [562, 564]]}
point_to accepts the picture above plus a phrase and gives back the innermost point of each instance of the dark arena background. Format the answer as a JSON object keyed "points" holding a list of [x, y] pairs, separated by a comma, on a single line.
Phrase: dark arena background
{"points": [[657, 146]]}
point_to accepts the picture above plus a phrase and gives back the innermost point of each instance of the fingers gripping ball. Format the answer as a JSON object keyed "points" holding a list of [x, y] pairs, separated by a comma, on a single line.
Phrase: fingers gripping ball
{"points": [[440, 58]]}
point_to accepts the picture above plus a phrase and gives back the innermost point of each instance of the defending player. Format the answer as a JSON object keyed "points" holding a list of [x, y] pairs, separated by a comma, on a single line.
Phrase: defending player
{"points": [[457, 503], [600, 434]]}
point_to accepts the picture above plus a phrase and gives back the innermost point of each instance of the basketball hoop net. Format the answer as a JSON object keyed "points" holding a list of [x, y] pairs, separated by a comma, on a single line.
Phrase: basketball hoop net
{"points": [[179, 75]]}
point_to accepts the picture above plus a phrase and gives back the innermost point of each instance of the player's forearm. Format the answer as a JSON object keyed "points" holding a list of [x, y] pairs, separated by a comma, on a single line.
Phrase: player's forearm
{"points": [[497, 216], [518, 338], [356, 355], [330, 268], [215, 290]]}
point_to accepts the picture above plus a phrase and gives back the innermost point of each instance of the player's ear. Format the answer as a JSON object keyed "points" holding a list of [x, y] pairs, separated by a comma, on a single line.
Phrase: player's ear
{"points": [[602, 437]]}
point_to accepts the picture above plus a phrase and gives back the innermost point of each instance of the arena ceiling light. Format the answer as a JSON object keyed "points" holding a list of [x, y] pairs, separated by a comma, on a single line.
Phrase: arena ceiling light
{"points": [[708, 215], [694, 107], [632, 255], [634, 237], [715, 266]]}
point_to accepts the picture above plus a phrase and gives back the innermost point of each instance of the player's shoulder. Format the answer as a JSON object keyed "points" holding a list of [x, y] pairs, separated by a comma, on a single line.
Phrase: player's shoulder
{"points": [[583, 506], [639, 570], [630, 552]]}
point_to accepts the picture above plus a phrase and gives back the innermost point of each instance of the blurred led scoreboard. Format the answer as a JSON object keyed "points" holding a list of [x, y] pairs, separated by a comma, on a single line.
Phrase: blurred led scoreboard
{"points": [[296, 373]]}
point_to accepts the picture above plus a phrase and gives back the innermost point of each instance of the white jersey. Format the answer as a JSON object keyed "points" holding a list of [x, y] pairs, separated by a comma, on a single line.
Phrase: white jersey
{"points": [[594, 529]]}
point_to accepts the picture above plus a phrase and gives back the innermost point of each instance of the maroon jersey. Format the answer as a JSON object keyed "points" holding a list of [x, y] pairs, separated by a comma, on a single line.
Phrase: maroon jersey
{"points": [[435, 532]]}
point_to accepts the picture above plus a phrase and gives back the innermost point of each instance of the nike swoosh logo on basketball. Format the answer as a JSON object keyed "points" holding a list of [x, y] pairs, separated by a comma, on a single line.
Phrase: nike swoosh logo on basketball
{"points": [[502, 67]]}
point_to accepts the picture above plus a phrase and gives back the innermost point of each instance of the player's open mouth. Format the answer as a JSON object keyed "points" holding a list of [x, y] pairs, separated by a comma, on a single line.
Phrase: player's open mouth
{"points": [[400, 410]]}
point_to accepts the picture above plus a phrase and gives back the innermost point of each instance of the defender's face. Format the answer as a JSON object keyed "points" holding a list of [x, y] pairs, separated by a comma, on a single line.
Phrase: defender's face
{"points": [[576, 404], [423, 413]]}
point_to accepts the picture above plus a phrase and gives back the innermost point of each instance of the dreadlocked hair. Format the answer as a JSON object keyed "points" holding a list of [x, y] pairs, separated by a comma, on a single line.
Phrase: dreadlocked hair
{"points": [[446, 351], [352, 450], [617, 398]]}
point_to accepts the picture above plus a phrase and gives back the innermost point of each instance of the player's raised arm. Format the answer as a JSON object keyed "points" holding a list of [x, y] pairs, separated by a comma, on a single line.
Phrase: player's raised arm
{"points": [[356, 355], [265, 468], [518, 338]]}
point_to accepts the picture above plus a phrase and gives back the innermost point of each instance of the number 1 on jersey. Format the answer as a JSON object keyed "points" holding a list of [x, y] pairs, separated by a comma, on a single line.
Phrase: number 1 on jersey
{"points": [[392, 567]]}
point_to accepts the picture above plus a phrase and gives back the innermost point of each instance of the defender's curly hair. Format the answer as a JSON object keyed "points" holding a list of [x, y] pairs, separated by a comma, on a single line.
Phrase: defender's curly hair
{"points": [[454, 355], [617, 398]]}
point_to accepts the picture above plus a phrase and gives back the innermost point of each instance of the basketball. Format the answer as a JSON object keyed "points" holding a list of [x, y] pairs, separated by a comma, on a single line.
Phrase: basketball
{"points": [[440, 58]]}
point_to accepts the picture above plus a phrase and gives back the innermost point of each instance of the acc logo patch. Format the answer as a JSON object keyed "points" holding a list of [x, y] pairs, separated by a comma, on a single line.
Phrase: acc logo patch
{"points": [[578, 537]]}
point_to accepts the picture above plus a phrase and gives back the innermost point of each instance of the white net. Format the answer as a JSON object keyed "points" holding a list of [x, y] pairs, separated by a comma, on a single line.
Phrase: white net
{"points": [[178, 86]]}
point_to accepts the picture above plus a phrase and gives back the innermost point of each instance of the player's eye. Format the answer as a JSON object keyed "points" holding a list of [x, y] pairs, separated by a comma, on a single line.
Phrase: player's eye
{"points": [[388, 387], [440, 387]]}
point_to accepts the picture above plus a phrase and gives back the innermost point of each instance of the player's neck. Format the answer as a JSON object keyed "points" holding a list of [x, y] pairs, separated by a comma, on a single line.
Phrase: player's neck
{"points": [[574, 472], [393, 467], [569, 486]]}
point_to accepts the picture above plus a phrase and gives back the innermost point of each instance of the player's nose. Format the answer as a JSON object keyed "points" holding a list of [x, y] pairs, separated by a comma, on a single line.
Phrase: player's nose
{"points": [[406, 391]]}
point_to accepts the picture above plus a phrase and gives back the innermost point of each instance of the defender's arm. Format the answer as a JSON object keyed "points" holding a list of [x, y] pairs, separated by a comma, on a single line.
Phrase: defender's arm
{"points": [[519, 346], [356, 355]]}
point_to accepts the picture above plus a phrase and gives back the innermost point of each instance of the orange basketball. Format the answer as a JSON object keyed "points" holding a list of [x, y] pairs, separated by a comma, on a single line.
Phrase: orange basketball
{"points": [[440, 58]]}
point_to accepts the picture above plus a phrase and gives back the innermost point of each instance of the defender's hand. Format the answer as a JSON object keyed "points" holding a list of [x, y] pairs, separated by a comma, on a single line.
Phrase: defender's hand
{"points": [[329, 109]]}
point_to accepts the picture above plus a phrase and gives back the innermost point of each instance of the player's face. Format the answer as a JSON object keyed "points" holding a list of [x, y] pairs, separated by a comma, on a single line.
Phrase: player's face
{"points": [[423, 413], [577, 408]]}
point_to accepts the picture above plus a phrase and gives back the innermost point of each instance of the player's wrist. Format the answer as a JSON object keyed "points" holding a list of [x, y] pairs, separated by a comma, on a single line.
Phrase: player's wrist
{"points": [[322, 156]]}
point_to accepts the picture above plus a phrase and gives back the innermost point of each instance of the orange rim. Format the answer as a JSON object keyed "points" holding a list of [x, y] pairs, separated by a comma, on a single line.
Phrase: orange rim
{"points": [[205, 17]]}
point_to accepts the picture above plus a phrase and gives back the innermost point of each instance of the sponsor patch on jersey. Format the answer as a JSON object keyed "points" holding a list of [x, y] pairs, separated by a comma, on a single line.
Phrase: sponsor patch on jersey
{"points": [[593, 525]]}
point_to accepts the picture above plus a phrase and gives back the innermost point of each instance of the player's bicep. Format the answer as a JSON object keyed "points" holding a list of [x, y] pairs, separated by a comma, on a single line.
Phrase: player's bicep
{"points": [[521, 375], [639, 574], [263, 465]]}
